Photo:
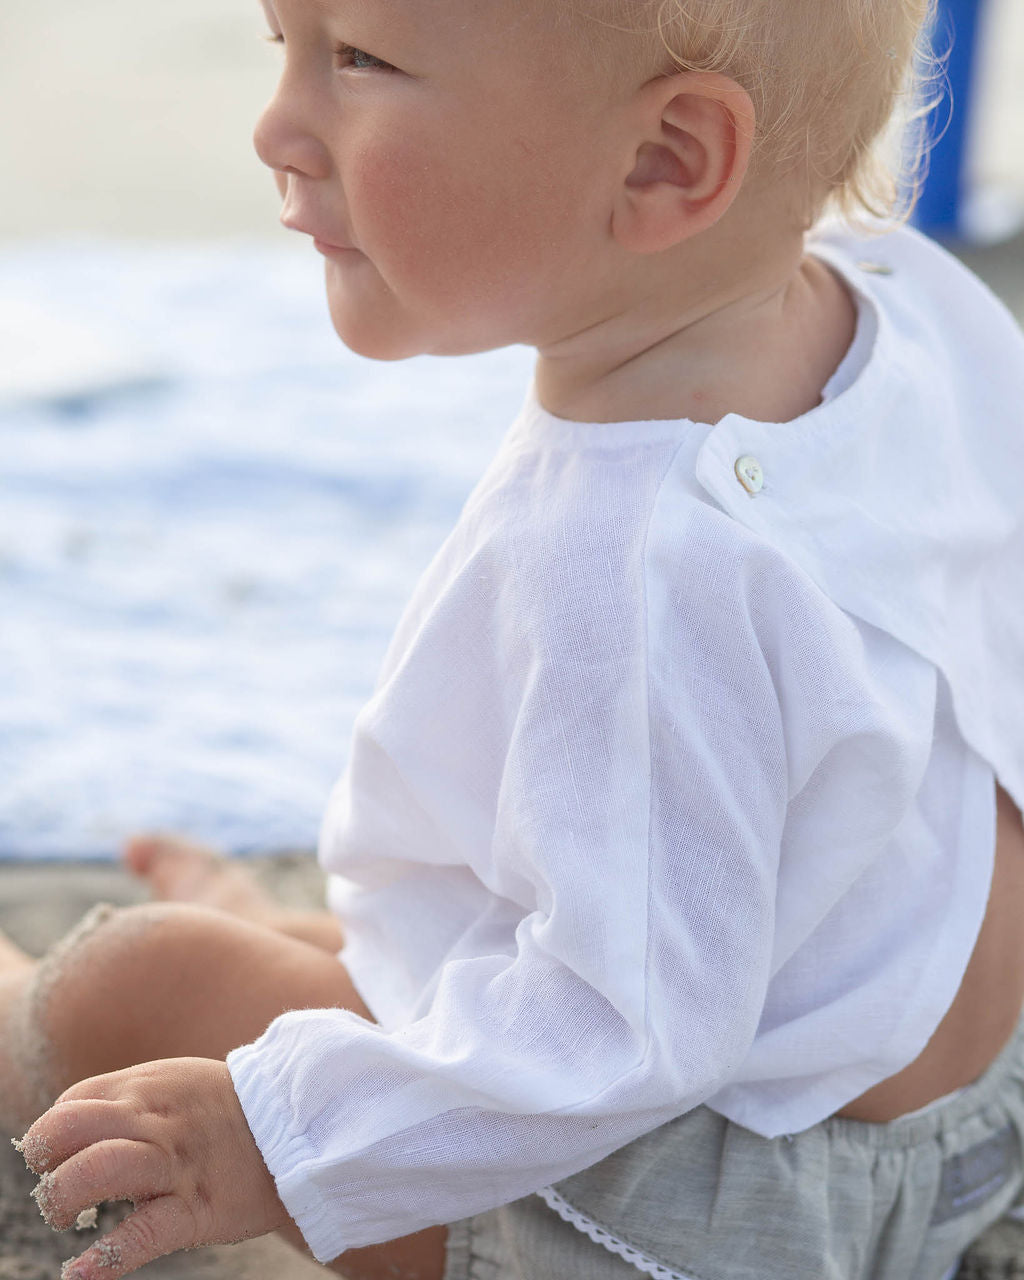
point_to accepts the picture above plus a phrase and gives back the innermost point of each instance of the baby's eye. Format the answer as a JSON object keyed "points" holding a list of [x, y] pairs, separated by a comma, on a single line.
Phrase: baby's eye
{"points": [[348, 55], [360, 60]]}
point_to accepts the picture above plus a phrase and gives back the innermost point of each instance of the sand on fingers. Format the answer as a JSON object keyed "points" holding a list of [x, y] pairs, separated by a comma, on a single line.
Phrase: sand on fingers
{"points": [[38, 904]]}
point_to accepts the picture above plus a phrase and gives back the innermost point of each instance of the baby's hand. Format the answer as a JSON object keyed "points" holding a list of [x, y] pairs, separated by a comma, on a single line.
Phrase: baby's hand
{"points": [[170, 1137]]}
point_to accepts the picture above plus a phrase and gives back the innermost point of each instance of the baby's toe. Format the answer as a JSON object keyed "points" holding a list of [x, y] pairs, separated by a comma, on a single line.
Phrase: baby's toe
{"points": [[164, 859]]}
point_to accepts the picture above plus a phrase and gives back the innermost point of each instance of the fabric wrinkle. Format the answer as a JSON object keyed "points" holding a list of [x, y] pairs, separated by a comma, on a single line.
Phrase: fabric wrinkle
{"points": [[672, 697]]}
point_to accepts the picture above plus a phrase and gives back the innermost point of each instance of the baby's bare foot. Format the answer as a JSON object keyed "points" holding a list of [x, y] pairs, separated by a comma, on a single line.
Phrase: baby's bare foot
{"points": [[177, 870]]}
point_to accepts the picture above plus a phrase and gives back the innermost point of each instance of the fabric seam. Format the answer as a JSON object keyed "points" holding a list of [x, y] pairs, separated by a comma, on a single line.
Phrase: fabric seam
{"points": [[655, 505]]}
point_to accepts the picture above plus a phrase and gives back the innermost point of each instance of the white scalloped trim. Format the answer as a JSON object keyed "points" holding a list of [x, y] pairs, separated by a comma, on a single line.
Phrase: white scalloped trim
{"points": [[640, 1260], [612, 1243]]}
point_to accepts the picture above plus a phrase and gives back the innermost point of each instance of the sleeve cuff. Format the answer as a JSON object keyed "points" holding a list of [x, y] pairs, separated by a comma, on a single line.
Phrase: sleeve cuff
{"points": [[288, 1153]]}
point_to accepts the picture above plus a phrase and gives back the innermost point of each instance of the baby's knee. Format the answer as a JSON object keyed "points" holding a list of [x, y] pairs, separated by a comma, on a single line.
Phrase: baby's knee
{"points": [[102, 995], [55, 983], [112, 946]]}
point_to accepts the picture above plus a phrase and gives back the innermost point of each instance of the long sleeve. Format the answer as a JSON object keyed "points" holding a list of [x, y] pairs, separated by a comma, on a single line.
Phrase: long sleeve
{"points": [[635, 858], [670, 793]]}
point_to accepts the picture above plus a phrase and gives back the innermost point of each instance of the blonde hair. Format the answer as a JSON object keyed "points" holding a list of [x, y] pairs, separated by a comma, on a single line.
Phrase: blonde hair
{"points": [[826, 78]]}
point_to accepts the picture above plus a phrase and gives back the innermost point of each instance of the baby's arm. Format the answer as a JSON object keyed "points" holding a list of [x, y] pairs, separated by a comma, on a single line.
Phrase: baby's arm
{"points": [[169, 1136]]}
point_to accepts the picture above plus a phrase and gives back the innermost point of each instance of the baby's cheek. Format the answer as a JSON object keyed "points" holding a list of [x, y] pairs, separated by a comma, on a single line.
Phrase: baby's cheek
{"points": [[447, 228], [388, 190]]}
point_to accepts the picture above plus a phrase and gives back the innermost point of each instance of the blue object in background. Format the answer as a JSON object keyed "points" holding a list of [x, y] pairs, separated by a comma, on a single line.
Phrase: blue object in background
{"points": [[940, 206]]}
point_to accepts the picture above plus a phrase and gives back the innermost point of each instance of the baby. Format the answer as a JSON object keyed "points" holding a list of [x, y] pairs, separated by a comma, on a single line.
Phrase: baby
{"points": [[678, 868]]}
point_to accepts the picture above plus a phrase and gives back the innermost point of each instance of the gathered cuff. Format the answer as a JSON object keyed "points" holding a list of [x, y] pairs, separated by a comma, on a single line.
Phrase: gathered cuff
{"points": [[288, 1154]]}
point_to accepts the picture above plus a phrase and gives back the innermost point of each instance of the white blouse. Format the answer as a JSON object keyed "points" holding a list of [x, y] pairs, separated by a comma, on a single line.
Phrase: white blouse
{"points": [[677, 786]]}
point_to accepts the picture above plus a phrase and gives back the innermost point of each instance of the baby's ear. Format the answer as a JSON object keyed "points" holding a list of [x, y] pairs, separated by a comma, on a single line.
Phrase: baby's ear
{"points": [[692, 144]]}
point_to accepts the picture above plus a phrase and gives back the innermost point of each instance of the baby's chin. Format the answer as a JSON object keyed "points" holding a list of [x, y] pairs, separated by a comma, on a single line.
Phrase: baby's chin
{"points": [[375, 337], [395, 335], [389, 345], [374, 345], [376, 349]]}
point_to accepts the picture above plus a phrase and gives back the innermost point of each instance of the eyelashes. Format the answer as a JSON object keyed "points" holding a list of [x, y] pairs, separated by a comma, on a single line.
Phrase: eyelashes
{"points": [[360, 60], [347, 55]]}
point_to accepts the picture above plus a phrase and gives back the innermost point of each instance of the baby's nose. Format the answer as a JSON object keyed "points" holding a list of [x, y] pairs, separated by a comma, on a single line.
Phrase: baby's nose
{"points": [[286, 144]]}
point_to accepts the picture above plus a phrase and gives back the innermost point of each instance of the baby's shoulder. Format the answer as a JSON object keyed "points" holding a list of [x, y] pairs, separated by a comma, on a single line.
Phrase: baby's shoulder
{"points": [[603, 540], [926, 291]]}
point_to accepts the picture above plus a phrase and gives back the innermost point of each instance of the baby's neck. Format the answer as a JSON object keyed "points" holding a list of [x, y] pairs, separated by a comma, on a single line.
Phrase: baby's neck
{"points": [[764, 352]]}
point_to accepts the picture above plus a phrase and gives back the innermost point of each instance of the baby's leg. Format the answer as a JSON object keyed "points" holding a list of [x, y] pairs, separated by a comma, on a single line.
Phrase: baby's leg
{"points": [[163, 980], [178, 870], [166, 980]]}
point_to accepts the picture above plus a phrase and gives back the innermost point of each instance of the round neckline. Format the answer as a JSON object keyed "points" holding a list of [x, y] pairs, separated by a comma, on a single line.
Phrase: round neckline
{"points": [[835, 248]]}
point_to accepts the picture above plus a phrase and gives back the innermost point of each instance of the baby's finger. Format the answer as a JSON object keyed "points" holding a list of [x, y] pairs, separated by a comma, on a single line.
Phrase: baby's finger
{"points": [[111, 1085], [70, 1127], [158, 1227], [117, 1170]]}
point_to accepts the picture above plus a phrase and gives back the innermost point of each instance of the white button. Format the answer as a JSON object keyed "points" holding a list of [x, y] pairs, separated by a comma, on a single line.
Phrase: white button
{"points": [[750, 474], [875, 268]]}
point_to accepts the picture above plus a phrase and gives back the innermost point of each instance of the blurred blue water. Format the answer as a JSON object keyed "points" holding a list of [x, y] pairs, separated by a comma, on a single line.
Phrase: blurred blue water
{"points": [[210, 517]]}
